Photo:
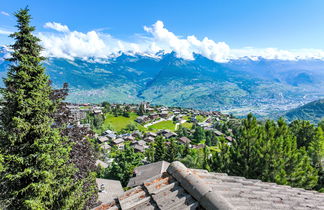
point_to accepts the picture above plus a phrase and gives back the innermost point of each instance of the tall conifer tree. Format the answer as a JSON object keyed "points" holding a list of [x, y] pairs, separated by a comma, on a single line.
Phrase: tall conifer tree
{"points": [[36, 173]]}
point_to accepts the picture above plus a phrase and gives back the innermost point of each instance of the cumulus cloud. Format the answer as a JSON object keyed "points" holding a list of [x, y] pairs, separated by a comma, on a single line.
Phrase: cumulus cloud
{"points": [[57, 26], [4, 13], [96, 44], [186, 47]]}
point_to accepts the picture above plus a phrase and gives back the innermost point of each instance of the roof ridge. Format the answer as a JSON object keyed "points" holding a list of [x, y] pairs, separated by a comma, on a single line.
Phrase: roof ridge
{"points": [[197, 188]]}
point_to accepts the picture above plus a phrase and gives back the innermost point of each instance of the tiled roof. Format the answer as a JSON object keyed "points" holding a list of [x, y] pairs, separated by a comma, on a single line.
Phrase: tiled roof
{"points": [[108, 189], [183, 188], [145, 172]]}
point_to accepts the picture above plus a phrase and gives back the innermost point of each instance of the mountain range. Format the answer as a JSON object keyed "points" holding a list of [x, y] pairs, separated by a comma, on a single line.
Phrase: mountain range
{"points": [[264, 87]]}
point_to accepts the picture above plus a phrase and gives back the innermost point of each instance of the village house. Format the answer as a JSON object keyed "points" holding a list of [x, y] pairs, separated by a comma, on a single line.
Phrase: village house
{"points": [[119, 143], [105, 146], [142, 119], [163, 131], [129, 138], [154, 116], [137, 134], [149, 139], [218, 133], [164, 114], [102, 139], [170, 135], [150, 134], [184, 140]]}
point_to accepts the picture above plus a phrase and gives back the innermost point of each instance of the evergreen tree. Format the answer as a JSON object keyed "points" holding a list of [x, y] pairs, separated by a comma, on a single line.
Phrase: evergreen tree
{"points": [[160, 149], [37, 172], [173, 151], [141, 110], [268, 152], [198, 135]]}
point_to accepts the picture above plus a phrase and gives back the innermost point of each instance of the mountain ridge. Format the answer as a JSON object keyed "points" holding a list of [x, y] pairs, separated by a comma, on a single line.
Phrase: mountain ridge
{"points": [[239, 86]]}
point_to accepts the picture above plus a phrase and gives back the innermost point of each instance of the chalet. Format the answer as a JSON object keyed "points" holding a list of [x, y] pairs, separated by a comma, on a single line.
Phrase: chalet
{"points": [[119, 143], [153, 116], [149, 139], [97, 112], [111, 136], [141, 142], [138, 148], [101, 164], [129, 138], [105, 146], [184, 140], [218, 133], [142, 119], [170, 135], [164, 114], [103, 139], [137, 134], [163, 132], [150, 134]]}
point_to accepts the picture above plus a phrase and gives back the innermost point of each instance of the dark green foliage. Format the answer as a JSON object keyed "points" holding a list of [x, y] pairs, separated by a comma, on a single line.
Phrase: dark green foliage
{"points": [[198, 135], [106, 106], [172, 151], [268, 152], [183, 131], [160, 149], [124, 164], [141, 110], [94, 120], [37, 173]]}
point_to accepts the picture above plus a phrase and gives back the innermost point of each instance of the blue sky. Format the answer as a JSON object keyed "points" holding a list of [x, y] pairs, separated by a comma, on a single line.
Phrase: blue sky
{"points": [[281, 24]]}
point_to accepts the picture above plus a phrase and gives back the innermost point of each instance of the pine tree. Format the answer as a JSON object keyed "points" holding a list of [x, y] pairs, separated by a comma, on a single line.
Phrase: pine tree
{"points": [[37, 174]]}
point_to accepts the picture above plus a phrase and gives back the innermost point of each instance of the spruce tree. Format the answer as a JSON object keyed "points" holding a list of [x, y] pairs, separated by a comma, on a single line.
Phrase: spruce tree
{"points": [[173, 151], [36, 173], [160, 149]]}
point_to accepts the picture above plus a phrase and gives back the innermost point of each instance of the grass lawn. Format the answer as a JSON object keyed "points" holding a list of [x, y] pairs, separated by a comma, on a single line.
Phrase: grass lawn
{"points": [[120, 122], [201, 118], [85, 107], [187, 125], [186, 117], [163, 125]]}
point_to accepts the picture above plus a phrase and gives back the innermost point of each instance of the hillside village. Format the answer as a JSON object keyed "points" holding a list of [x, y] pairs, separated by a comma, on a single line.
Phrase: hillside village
{"points": [[155, 121]]}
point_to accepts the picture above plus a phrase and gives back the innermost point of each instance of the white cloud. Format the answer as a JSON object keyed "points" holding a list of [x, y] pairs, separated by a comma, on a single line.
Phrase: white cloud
{"points": [[56, 26], [71, 44], [4, 13], [186, 47], [5, 32]]}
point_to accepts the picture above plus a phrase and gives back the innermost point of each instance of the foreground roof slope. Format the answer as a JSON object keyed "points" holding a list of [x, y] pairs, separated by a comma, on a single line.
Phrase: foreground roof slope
{"points": [[146, 172], [183, 188]]}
